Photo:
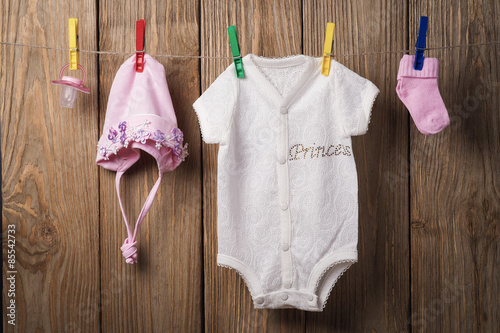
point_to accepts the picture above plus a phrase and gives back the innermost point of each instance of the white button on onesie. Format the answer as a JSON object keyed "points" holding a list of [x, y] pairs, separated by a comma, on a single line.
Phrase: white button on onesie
{"points": [[287, 184]]}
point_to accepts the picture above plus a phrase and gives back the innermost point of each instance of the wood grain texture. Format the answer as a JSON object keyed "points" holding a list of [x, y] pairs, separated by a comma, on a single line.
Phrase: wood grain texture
{"points": [[163, 292], [373, 295], [266, 28], [455, 176], [49, 181], [429, 236]]}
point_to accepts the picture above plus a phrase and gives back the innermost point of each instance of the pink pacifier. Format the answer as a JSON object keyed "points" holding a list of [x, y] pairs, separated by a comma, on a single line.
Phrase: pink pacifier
{"points": [[69, 87]]}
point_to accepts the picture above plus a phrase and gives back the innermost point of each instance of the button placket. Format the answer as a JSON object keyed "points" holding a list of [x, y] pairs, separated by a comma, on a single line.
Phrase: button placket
{"points": [[283, 197]]}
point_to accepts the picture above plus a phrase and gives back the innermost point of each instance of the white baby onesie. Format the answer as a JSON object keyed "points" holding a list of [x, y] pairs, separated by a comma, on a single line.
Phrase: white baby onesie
{"points": [[287, 193]]}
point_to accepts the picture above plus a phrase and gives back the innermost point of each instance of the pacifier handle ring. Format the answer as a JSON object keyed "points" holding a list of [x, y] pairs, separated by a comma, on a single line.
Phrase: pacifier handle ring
{"points": [[79, 67]]}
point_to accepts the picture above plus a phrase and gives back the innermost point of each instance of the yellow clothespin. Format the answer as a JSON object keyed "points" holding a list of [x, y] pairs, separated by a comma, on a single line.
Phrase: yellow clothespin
{"points": [[73, 43], [327, 50]]}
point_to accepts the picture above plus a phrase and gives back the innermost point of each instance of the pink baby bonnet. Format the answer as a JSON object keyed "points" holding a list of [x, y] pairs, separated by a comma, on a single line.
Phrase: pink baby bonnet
{"points": [[139, 116]]}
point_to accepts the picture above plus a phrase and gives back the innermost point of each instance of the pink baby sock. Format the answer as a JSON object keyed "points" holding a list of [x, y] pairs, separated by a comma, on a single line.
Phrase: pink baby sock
{"points": [[418, 90]]}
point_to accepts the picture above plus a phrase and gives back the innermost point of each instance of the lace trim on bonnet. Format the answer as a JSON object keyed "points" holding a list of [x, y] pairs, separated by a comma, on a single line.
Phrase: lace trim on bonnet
{"points": [[141, 133]]}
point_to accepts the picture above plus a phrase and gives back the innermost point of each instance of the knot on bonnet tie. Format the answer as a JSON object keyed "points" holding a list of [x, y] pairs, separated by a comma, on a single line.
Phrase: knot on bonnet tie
{"points": [[129, 251]]}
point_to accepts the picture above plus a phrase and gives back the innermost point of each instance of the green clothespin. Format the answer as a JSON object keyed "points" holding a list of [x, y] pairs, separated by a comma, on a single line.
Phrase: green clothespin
{"points": [[235, 49]]}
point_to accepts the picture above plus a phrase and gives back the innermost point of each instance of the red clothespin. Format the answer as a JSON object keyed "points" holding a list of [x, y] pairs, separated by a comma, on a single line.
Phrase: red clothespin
{"points": [[139, 45]]}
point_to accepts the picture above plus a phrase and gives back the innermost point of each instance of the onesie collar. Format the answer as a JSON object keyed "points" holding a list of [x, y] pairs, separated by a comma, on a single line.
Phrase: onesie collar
{"points": [[253, 62]]}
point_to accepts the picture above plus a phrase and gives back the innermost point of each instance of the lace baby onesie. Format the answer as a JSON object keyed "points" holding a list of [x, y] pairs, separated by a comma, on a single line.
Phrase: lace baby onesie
{"points": [[287, 185]]}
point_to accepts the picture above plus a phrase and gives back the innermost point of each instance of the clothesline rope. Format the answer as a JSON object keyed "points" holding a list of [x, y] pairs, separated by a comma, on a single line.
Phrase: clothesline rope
{"points": [[213, 57]]}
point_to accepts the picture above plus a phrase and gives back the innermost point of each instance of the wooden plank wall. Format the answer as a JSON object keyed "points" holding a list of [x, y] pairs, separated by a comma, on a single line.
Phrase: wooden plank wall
{"points": [[429, 247], [455, 178], [50, 184]]}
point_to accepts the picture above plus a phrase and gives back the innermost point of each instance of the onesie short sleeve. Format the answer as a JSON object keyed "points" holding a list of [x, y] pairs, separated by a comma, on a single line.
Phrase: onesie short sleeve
{"points": [[354, 98], [215, 106]]}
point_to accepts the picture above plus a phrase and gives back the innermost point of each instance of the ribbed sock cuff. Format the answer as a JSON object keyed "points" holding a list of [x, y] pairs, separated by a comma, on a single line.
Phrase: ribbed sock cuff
{"points": [[429, 70]]}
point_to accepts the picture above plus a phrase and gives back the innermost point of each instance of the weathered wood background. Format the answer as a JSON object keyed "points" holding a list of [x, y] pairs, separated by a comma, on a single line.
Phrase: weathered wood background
{"points": [[429, 244]]}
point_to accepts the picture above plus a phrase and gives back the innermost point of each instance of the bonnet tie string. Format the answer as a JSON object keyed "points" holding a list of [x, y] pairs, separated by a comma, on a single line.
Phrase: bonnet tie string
{"points": [[129, 249]]}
